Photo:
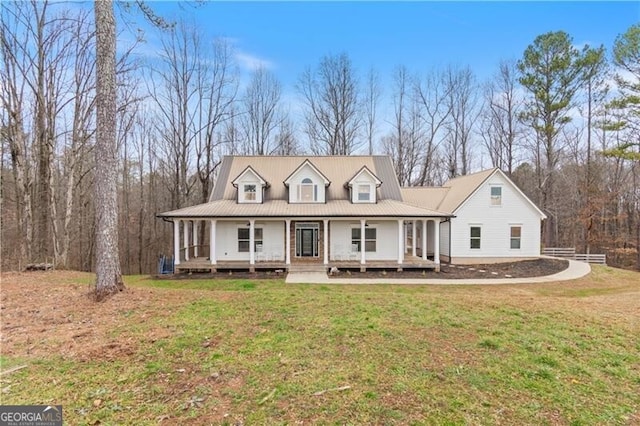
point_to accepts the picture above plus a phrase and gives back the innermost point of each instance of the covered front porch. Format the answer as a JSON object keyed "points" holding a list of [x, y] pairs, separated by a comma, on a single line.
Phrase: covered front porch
{"points": [[306, 244]]}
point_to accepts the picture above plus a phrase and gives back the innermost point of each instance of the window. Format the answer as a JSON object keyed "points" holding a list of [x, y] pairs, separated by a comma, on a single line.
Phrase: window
{"points": [[364, 193], [307, 191], [496, 195], [475, 237], [243, 239], [370, 235], [516, 233], [250, 192]]}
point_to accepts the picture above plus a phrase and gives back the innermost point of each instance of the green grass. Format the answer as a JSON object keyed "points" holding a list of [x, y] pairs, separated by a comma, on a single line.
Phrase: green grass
{"points": [[258, 351]]}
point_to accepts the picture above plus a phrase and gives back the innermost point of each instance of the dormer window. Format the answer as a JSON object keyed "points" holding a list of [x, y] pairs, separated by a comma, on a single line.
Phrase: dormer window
{"points": [[250, 186], [307, 191], [249, 192], [363, 186], [307, 184], [364, 192]]}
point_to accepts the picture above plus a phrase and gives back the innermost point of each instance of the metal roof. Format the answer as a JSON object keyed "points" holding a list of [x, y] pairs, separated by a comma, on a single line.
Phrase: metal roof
{"points": [[276, 169], [282, 208]]}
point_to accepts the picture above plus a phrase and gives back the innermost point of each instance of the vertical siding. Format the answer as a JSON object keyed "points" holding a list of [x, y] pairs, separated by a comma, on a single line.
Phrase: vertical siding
{"points": [[495, 222]]}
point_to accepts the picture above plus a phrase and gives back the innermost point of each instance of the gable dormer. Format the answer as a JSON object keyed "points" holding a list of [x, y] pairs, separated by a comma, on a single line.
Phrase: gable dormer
{"points": [[362, 186], [307, 184], [250, 186]]}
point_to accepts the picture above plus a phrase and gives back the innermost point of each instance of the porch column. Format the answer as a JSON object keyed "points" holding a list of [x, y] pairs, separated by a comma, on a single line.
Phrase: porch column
{"points": [[176, 242], [362, 241], [436, 242], [325, 240], [414, 238], [185, 229], [212, 242], [287, 241], [252, 242], [195, 238], [400, 241], [424, 239], [406, 237]]}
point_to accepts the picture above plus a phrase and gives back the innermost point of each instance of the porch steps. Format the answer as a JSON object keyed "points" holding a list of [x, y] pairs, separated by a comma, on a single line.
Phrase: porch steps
{"points": [[307, 267]]}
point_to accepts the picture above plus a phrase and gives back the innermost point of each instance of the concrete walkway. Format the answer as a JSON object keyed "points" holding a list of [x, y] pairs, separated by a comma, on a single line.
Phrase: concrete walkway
{"points": [[574, 271]]}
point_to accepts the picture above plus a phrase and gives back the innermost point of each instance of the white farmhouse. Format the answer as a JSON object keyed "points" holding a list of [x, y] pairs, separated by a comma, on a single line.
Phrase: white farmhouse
{"points": [[308, 213]]}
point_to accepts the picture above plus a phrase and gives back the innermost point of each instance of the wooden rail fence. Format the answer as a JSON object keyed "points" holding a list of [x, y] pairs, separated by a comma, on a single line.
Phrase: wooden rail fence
{"points": [[570, 253]]}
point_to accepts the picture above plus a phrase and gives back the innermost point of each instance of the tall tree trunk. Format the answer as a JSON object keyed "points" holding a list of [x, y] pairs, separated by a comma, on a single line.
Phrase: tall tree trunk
{"points": [[108, 275]]}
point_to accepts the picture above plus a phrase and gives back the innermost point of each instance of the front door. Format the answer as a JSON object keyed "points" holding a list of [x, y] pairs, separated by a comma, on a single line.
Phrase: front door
{"points": [[307, 242], [307, 239]]}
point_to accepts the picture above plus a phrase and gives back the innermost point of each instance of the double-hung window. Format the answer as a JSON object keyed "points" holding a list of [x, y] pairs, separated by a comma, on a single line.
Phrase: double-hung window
{"points": [[475, 233], [370, 237], [364, 192], [250, 192], [496, 195], [244, 239], [516, 235]]}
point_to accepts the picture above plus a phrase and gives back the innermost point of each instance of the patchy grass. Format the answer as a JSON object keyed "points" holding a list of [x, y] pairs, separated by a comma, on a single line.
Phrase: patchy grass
{"points": [[263, 352]]}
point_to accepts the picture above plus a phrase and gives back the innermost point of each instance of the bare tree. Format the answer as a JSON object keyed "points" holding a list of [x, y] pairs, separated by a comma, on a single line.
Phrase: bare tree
{"points": [[500, 123], [333, 112], [108, 275], [173, 86], [432, 93], [217, 86], [405, 144], [286, 139], [462, 99], [14, 127], [372, 95], [261, 112]]}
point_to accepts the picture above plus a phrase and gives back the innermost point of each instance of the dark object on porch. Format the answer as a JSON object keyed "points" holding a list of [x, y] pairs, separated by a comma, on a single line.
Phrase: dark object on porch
{"points": [[165, 265]]}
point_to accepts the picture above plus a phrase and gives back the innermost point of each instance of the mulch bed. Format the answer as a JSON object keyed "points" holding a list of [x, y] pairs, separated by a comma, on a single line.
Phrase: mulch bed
{"points": [[225, 275], [522, 269]]}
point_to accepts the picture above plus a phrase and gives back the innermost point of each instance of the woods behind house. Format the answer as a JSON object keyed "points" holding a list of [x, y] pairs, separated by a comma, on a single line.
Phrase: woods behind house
{"points": [[561, 121]]}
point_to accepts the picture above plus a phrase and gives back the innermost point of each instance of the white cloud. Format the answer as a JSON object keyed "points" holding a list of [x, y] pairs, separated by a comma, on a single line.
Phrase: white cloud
{"points": [[251, 62]]}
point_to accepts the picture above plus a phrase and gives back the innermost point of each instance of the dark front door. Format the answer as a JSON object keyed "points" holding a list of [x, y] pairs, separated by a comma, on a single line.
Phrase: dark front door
{"points": [[307, 239], [307, 242]]}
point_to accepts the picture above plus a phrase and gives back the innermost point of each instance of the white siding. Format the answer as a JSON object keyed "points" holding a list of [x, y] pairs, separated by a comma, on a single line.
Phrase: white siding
{"points": [[495, 222], [363, 178], [249, 178], [445, 230], [227, 239], [386, 239]]}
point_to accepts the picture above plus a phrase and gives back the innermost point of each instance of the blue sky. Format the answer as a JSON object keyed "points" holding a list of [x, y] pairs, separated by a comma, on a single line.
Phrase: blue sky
{"points": [[289, 36]]}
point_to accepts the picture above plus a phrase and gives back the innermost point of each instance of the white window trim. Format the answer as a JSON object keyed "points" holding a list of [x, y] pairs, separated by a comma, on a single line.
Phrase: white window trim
{"points": [[356, 194], [511, 226], [256, 241], [365, 239], [314, 192], [498, 198], [475, 238], [244, 192]]}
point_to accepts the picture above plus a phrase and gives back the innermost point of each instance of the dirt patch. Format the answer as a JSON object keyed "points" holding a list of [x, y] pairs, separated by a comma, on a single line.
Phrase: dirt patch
{"points": [[522, 269], [44, 313]]}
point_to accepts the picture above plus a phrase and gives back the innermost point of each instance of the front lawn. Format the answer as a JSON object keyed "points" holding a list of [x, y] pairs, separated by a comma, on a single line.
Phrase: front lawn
{"points": [[265, 352]]}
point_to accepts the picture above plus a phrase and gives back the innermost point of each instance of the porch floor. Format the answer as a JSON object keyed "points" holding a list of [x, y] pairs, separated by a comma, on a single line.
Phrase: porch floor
{"points": [[203, 264]]}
